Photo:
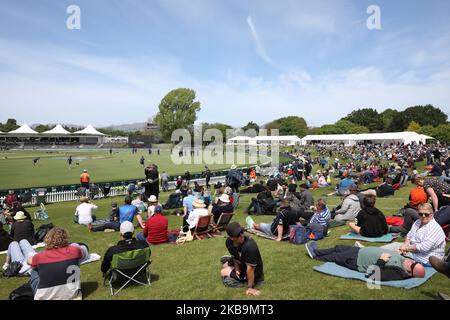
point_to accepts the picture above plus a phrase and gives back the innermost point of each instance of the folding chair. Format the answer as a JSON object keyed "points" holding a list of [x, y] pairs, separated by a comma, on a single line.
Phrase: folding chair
{"points": [[202, 227], [135, 262], [223, 221], [41, 214]]}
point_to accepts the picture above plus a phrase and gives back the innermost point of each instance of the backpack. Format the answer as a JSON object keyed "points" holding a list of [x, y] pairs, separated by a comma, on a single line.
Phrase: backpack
{"points": [[298, 234], [41, 232], [24, 292], [316, 232]]}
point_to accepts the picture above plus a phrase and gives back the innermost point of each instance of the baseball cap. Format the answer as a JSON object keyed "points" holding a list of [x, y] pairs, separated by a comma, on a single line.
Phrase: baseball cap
{"points": [[234, 229], [126, 227], [158, 209], [114, 204]]}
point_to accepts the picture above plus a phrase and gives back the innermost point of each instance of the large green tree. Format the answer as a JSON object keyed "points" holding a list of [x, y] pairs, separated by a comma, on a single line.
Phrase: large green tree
{"points": [[287, 126], [386, 118], [177, 110], [251, 125], [423, 115], [11, 124], [367, 117], [222, 127]]}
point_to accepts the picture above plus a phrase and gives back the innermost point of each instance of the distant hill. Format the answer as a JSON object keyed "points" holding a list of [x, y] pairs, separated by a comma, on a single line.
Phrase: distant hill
{"points": [[128, 127]]}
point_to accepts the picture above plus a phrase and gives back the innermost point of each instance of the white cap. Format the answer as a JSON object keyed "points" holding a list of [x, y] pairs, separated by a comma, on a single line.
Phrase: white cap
{"points": [[152, 198], [126, 227], [224, 198]]}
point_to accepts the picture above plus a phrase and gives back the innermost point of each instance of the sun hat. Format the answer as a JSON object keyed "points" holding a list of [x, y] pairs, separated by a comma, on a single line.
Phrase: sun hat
{"points": [[20, 216], [152, 198], [199, 203], [224, 198], [233, 167]]}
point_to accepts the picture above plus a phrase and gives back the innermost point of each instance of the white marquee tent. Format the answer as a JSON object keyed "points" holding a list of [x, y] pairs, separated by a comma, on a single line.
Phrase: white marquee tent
{"points": [[24, 129], [57, 130], [242, 140], [378, 138], [90, 130]]}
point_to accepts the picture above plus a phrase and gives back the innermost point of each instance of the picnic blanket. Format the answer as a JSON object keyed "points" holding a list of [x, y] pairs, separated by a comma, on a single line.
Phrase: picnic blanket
{"points": [[39, 245], [385, 238], [333, 269], [264, 235], [92, 258], [394, 221]]}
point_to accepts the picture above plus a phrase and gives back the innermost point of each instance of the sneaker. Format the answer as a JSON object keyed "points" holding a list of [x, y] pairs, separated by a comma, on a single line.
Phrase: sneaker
{"points": [[109, 230], [358, 244], [310, 250], [249, 222], [5, 266]]}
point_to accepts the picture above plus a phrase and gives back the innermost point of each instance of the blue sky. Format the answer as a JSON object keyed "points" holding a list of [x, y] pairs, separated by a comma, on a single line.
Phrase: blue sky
{"points": [[248, 60]]}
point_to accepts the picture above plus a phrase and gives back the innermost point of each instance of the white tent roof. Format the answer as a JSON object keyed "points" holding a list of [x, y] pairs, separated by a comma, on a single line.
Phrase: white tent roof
{"points": [[277, 138], [24, 129], [89, 130], [57, 130], [240, 138], [366, 136]]}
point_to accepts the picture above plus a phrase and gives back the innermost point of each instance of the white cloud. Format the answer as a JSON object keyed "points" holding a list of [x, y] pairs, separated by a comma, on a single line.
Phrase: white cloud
{"points": [[259, 45]]}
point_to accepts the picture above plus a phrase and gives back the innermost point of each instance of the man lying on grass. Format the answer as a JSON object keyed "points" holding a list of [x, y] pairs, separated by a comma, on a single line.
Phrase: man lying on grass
{"points": [[245, 264]]}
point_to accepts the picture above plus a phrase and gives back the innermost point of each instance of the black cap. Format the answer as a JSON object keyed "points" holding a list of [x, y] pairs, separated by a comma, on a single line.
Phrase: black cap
{"points": [[234, 229], [114, 204]]}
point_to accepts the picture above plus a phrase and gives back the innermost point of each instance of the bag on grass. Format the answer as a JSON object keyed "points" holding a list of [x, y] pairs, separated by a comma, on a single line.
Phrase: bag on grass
{"points": [[41, 232], [12, 270], [298, 234], [24, 292], [184, 237]]}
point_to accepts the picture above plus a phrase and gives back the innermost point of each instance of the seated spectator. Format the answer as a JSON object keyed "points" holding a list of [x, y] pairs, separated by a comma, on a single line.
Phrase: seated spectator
{"points": [[349, 208], [264, 203], [256, 188], [22, 229], [383, 190], [10, 199], [371, 221], [187, 203], [343, 186], [280, 224], [244, 265], [322, 181], [127, 243], [320, 218], [174, 200], [156, 228], [5, 238], [113, 218], [306, 197], [222, 205], [392, 266], [127, 212], [140, 202], [443, 266], [55, 267], [417, 197], [152, 204], [199, 210], [425, 239], [83, 213]]}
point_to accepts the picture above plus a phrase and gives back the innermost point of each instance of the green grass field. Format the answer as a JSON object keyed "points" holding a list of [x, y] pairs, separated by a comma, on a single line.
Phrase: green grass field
{"points": [[17, 169], [191, 271]]}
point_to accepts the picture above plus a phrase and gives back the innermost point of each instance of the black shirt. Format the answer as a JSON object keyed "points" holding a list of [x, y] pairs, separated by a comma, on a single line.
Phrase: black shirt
{"points": [[217, 210], [372, 222], [21, 230], [286, 217], [247, 254], [122, 246]]}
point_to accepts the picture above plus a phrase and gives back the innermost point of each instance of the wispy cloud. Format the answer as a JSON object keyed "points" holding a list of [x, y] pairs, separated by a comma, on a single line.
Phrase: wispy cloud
{"points": [[260, 49]]}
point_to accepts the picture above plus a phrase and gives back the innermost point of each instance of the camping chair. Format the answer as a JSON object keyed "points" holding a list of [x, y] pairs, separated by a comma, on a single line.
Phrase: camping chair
{"points": [[41, 214], [129, 265], [223, 221], [202, 227]]}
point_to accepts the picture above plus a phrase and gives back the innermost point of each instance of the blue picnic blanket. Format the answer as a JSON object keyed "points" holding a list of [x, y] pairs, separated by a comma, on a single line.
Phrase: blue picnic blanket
{"points": [[385, 238], [333, 269]]}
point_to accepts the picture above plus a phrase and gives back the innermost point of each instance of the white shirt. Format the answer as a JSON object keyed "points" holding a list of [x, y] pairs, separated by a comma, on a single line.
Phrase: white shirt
{"points": [[84, 213], [194, 215], [429, 240]]}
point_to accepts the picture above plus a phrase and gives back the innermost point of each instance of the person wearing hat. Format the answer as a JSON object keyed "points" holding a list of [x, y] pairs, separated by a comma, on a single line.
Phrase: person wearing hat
{"points": [[156, 228], [127, 243], [199, 210], [244, 266], [85, 179], [152, 204], [222, 205], [22, 228], [112, 224]]}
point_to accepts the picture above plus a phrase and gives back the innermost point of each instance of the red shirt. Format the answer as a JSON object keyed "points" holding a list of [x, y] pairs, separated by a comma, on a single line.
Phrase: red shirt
{"points": [[156, 229]]}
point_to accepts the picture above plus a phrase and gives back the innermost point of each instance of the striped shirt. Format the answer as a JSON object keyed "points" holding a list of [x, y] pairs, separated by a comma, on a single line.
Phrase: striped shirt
{"points": [[429, 240], [321, 217]]}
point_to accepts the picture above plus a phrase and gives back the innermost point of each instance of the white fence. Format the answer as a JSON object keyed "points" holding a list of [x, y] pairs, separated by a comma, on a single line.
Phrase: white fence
{"points": [[62, 196]]}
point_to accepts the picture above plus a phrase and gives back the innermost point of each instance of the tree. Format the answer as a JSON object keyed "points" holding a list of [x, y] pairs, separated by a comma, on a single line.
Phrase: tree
{"points": [[219, 126], [177, 110], [427, 130], [11, 124], [386, 118], [251, 125], [41, 128], [442, 133], [413, 127], [287, 126], [423, 115], [350, 127], [369, 118]]}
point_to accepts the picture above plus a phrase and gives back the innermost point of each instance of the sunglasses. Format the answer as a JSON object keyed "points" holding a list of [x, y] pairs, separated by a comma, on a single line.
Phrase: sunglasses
{"points": [[426, 214], [413, 266]]}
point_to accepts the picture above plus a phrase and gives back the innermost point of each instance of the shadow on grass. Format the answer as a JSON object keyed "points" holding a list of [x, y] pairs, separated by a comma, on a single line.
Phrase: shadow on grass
{"points": [[88, 288]]}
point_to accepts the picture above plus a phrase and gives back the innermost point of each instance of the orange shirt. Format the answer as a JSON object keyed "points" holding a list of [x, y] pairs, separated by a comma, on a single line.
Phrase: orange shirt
{"points": [[417, 196]]}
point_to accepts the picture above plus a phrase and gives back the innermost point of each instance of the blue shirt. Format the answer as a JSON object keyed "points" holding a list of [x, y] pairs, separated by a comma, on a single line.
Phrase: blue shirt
{"points": [[187, 202], [127, 213]]}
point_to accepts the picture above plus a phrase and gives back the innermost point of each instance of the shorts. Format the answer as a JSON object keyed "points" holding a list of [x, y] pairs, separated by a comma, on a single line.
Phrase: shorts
{"points": [[266, 228]]}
